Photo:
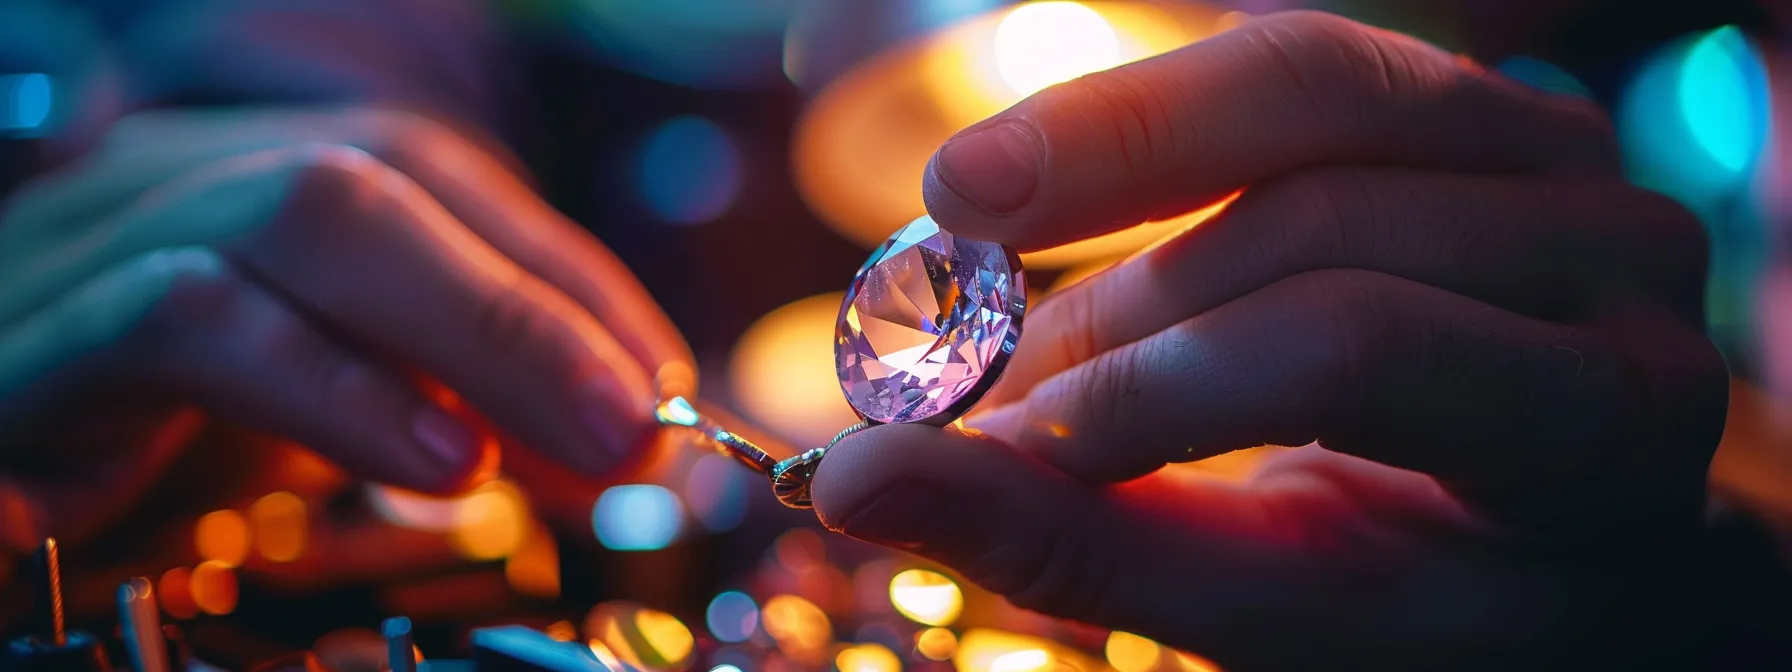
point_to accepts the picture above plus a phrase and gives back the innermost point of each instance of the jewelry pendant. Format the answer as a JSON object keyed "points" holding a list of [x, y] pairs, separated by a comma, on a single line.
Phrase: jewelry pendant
{"points": [[924, 332]]}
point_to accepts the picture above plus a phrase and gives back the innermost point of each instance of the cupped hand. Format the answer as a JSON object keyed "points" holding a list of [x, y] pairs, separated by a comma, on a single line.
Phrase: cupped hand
{"points": [[305, 272], [1434, 274]]}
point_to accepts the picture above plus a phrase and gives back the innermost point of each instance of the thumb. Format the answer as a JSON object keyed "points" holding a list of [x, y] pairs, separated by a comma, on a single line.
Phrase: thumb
{"points": [[1015, 526]]}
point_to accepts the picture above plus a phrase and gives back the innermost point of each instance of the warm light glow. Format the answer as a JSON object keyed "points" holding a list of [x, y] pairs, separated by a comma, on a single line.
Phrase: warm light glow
{"points": [[223, 537], [667, 637], [925, 597], [534, 569], [864, 139], [802, 630], [867, 658], [1128, 652], [214, 588], [1026, 660], [732, 617], [561, 631], [1193, 663], [936, 643], [639, 636], [1044, 43], [782, 371], [175, 590], [984, 650], [278, 524], [798, 550], [490, 523]]}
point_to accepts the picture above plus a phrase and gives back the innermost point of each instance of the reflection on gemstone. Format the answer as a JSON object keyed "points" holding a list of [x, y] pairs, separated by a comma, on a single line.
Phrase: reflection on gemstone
{"points": [[927, 319]]}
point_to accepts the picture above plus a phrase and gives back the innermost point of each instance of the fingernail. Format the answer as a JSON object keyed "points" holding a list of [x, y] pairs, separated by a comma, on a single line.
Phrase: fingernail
{"points": [[995, 167], [908, 515], [446, 439]]}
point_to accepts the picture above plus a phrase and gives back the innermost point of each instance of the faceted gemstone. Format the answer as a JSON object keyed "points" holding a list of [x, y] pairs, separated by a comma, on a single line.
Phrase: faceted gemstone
{"points": [[928, 317]]}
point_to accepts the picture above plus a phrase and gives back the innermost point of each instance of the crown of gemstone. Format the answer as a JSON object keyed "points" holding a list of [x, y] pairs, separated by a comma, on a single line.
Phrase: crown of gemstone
{"points": [[928, 325]]}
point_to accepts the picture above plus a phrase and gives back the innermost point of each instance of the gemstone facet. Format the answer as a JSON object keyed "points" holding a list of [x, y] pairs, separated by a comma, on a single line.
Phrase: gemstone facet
{"points": [[928, 325]]}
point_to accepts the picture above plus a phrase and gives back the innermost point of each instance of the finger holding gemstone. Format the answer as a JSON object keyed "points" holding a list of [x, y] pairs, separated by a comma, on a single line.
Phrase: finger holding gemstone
{"points": [[928, 325]]}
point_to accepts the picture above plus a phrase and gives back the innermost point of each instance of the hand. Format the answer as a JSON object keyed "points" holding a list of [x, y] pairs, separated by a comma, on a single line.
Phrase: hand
{"points": [[1436, 274], [304, 271]]}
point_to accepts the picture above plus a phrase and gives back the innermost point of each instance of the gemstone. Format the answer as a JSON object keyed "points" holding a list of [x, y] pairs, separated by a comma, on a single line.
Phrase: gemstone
{"points": [[928, 325]]}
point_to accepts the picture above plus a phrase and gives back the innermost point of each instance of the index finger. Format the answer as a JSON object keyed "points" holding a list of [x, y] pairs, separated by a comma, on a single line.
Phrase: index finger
{"points": [[1166, 135]]}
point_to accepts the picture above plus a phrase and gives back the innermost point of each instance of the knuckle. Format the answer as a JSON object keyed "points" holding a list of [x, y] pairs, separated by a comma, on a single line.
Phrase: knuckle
{"points": [[1335, 63], [1329, 211], [341, 177], [1132, 108]]}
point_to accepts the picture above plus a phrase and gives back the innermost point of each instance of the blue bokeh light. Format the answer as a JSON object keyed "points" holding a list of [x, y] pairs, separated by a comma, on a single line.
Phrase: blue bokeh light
{"points": [[637, 518], [25, 102], [732, 617], [690, 171]]}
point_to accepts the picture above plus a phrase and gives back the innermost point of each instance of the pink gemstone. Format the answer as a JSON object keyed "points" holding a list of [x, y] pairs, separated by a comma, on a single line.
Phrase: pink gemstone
{"points": [[928, 325]]}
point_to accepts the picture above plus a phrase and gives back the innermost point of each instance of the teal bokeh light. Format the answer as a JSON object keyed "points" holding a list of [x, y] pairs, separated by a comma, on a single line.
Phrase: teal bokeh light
{"points": [[25, 103], [1722, 96]]}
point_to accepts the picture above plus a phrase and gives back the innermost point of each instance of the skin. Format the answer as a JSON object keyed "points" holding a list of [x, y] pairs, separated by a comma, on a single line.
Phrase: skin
{"points": [[323, 275], [1437, 281]]}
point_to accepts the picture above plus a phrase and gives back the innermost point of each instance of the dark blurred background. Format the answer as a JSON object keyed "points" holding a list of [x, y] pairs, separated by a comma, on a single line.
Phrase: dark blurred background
{"points": [[743, 156]]}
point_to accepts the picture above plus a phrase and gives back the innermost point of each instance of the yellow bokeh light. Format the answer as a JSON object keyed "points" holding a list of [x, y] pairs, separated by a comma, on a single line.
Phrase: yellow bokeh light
{"points": [[639, 636], [925, 597], [863, 140], [867, 658], [534, 568], [783, 373], [223, 537], [801, 628], [175, 590], [1044, 43], [1024, 660], [278, 524], [1128, 652], [491, 522], [936, 643], [214, 587]]}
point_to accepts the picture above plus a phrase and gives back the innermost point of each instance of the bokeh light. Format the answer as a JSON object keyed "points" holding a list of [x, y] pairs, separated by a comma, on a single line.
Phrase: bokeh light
{"points": [[1192, 663], [222, 537], [710, 44], [641, 517], [1722, 97], [491, 522], [928, 598], [782, 372], [989, 650], [716, 490], [214, 588], [278, 523], [533, 569], [1044, 43], [867, 658], [724, 668], [801, 629], [1024, 660], [25, 103], [863, 140], [175, 591], [1128, 652], [689, 171], [732, 617], [639, 636], [561, 631], [936, 643]]}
